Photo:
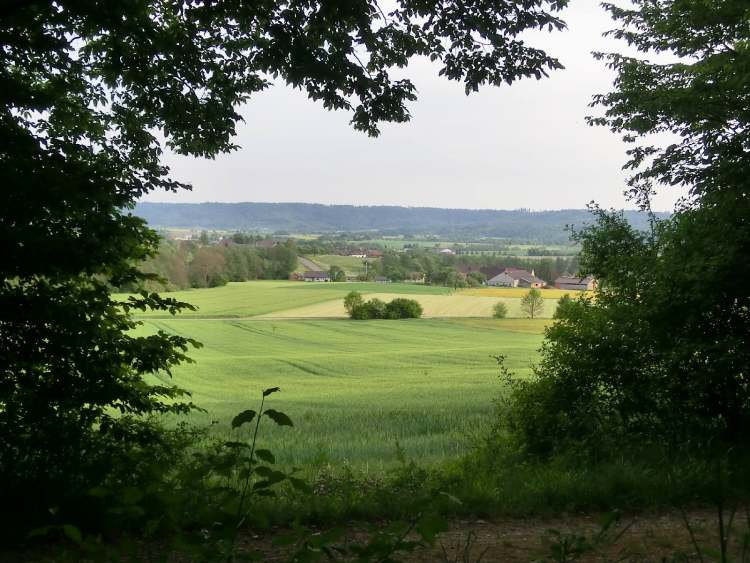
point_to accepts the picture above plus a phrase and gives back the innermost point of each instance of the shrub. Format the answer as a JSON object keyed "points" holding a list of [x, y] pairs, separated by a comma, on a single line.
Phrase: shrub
{"points": [[353, 299], [399, 308], [372, 309], [500, 310], [402, 308]]}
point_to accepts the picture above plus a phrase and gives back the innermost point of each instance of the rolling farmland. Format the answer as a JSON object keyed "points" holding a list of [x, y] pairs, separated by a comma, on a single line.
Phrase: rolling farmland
{"points": [[353, 388]]}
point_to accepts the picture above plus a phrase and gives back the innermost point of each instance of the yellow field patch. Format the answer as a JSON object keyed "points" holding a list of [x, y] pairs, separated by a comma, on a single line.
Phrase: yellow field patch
{"points": [[519, 292], [438, 306]]}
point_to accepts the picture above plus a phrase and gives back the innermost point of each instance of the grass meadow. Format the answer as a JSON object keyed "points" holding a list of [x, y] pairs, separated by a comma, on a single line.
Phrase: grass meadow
{"points": [[356, 390], [351, 265]]}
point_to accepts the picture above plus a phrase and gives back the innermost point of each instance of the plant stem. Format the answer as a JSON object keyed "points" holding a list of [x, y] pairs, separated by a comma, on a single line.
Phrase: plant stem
{"points": [[243, 496]]}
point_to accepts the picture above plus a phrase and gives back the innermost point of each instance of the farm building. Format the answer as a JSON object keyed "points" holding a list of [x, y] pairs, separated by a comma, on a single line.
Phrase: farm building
{"points": [[374, 254], [578, 284], [382, 279], [514, 277], [448, 251], [316, 276]]}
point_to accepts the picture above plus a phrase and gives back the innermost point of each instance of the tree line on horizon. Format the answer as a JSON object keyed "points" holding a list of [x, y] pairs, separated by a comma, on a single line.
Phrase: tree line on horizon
{"points": [[202, 263], [543, 227]]}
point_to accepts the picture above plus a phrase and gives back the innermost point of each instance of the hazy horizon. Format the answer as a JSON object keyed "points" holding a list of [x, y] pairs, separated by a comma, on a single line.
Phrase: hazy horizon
{"points": [[531, 210], [524, 146]]}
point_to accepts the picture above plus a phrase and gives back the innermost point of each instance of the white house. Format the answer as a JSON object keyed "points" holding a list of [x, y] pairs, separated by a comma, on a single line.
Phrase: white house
{"points": [[316, 276], [514, 277]]}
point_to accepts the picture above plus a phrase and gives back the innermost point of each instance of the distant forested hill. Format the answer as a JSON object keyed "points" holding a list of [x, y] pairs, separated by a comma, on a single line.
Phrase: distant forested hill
{"points": [[533, 226]]}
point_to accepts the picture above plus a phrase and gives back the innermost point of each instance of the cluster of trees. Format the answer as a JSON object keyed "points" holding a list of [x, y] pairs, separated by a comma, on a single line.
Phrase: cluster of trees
{"points": [[443, 269], [205, 262], [399, 308], [184, 264]]}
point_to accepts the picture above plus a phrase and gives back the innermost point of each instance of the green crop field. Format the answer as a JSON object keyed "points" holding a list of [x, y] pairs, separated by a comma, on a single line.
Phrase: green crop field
{"points": [[355, 388]]}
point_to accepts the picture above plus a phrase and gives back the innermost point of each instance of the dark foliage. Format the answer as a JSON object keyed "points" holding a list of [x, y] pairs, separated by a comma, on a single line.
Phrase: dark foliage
{"points": [[87, 90], [661, 355]]}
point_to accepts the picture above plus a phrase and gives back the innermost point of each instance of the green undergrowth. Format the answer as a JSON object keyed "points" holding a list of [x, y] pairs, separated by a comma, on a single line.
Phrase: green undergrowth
{"points": [[487, 485], [194, 502]]}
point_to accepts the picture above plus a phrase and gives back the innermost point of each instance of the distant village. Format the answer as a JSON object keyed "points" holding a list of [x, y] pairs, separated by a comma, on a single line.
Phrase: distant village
{"points": [[213, 259], [495, 277]]}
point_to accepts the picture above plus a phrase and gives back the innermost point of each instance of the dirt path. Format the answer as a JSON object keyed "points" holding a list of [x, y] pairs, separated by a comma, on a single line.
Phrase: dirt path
{"points": [[643, 538], [652, 537], [309, 264]]}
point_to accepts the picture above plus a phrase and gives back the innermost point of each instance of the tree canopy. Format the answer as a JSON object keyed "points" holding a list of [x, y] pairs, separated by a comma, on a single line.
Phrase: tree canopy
{"points": [[90, 95], [662, 353]]}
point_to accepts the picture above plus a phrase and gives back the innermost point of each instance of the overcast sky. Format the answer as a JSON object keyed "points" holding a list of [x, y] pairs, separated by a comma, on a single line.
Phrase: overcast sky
{"points": [[525, 145]]}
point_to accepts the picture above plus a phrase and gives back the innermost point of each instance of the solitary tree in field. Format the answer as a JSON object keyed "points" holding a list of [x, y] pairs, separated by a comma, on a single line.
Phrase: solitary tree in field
{"points": [[500, 310], [90, 94], [532, 303]]}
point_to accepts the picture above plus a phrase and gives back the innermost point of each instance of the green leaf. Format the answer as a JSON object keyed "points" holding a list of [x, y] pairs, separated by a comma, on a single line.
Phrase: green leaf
{"points": [[270, 476], [242, 418], [430, 525], [264, 471], [237, 445], [300, 485], [265, 455], [40, 532], [279, 417], [271, 390], [72, 533]]}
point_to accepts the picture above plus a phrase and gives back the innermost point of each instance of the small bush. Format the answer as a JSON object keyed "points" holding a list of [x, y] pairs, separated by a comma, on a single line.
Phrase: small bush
{"points": [[500, 310], [353, 299], [402, 308], [372, 309], [399, 308]]}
